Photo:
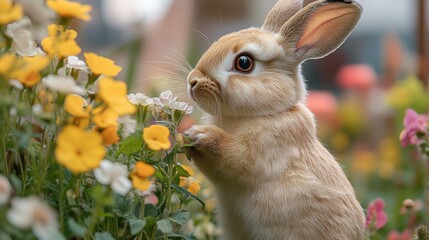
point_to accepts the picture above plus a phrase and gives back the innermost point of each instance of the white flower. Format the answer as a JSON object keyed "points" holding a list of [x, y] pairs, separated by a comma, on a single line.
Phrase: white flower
{"points": [[76, 63], [166, 100], [140, 99], [129, 125], [205, 229], [62, 85], [5, 190], [33, 213], [166, 95], [37, 109], [182, 106], [12, 27], [115, 175], [23, 42], [16, 84], [189, 109]]}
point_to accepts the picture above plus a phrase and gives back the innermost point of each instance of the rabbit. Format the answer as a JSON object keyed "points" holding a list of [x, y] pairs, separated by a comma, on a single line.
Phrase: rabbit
{"points": [[272, 176]]}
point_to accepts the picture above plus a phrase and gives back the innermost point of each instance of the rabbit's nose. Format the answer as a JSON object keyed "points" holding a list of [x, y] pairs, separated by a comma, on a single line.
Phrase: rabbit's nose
{"points": [[193, 82], [194, 77]]}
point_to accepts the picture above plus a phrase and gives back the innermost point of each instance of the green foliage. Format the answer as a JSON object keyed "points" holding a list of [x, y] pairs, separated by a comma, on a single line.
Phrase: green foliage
{"points": [[103, 180]]}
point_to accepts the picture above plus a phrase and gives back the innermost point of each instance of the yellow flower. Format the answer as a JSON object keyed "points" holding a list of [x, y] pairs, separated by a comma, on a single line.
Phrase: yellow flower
{"points": [[105, 117], [140, 176], [189, 183], [389, 157], [114, 94], [364, 162], [340, 141], [101, 65], [188, 169], [144, 170], [141, 184], [79, 150], [46, 100], [68, 9], [24, 69], [156, 137], [7, 61], [28, 74], [9, 12], [74, 104], [194, 188], [110, 135], [184, 181], [60, 42], [408, 93]]}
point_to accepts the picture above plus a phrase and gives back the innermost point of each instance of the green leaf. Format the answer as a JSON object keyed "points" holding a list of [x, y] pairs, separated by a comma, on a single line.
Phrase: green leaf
{"points": [[188, 194], [103, 236], [161, 177], [179, 236], [180, 217], [136, 225], [170, 157], [164, 225], [5, 236], [151, 210], [55, 235], [101, 196], [182, 172], [76, 228], [16, 183], [131, 144]]}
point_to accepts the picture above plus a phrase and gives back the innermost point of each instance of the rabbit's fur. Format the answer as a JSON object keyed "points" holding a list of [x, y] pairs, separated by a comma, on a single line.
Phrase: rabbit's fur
{"points": [[273, 178]]}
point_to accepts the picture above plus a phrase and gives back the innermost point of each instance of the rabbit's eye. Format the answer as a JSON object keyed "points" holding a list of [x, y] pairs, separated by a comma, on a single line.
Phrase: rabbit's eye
{"points": [[244, 63]]}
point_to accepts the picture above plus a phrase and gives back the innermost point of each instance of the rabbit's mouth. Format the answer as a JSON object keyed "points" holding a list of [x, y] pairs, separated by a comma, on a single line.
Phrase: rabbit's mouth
{"points": [[191, 93], [204, 91]]}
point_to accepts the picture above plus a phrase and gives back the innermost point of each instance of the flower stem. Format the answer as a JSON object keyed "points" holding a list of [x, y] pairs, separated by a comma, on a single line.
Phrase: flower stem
{"points": [[141, 215], [61, 199]]}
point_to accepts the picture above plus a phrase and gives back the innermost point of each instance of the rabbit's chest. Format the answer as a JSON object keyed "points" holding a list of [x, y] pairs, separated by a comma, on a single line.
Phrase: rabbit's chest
{"points": [[263, 213]]}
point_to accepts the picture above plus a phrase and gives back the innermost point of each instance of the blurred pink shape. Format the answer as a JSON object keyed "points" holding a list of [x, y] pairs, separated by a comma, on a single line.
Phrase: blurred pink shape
{"points": [[375, 209], [322, 103], [395, 235], [356, 76], [413, 123], [151, 199], [186, 123]]}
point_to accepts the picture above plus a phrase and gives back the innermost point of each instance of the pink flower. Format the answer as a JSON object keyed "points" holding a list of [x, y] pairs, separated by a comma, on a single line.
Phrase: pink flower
{"points": [[413, 123], [322, 103], [357, 77], [395, 235], [375, 210], [151, 199]]}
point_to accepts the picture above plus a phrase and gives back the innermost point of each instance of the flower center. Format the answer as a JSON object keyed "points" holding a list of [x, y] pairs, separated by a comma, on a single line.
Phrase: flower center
{"points": [[41, 216], [3, 188], [79, 152]]}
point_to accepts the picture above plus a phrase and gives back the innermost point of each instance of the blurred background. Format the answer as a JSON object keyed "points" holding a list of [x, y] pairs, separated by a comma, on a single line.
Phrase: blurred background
{"points": [[359, 93]]}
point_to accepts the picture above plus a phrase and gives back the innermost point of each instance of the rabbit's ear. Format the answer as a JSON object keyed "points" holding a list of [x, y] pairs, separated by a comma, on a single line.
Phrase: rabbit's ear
{"points": [[281, 13], [319, 28], [306, 2]]}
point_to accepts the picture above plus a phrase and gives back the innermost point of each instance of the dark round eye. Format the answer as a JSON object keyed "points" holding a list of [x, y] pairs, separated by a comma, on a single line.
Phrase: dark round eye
{"points": [[244, 63]]}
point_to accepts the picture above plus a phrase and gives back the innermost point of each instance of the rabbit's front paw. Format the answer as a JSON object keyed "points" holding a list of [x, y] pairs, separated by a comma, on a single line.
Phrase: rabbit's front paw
{"points": [[207, 139]]}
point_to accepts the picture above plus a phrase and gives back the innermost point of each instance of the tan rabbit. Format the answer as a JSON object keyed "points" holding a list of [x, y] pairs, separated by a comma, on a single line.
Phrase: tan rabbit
{"points": [[273, 178]]}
